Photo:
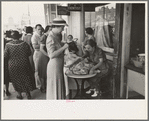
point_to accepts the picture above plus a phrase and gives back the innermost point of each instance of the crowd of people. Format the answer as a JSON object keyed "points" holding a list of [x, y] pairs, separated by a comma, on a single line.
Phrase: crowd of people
{"points": [[39, 59]]}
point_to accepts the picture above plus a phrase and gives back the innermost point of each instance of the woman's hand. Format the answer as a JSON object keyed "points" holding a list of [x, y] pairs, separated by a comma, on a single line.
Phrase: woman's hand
{"points": [[65, 46], [80, 58], [92, 71]]}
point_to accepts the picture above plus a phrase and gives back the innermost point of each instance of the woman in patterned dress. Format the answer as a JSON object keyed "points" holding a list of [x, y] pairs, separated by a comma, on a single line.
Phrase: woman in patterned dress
{"points": [[17, 53], [44, 59], [98, 57], [55, 49]]}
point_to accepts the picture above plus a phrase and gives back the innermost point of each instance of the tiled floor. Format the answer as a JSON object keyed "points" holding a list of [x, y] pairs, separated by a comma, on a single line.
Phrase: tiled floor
{"points": [[37, 95]]}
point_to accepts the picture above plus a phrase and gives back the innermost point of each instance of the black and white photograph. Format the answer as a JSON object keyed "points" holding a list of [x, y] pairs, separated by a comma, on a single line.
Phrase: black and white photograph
{"points": [[74, 56]]}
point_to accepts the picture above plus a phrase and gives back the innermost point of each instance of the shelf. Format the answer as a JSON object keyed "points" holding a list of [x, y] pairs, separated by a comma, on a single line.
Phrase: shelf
{"points": [[132, 67]]}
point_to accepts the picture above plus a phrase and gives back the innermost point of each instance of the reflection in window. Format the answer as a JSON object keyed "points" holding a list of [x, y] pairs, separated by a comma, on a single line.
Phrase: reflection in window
{"points": [[103, 23]]}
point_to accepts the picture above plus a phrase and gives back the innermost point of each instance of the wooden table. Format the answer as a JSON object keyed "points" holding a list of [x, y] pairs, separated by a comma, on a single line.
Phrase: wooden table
{"points": [[83, 79]]}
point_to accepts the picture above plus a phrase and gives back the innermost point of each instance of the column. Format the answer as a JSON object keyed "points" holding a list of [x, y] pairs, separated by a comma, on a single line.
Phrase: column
{"points": [[126, 36]]}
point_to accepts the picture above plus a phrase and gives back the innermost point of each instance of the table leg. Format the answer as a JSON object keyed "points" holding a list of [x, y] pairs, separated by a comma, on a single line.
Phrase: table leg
{"points": [[127, 91], [77, 88], [82, 87]]}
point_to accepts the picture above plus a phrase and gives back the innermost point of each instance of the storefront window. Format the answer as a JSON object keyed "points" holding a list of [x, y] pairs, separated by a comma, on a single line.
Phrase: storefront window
{"points": [[103, 23]]}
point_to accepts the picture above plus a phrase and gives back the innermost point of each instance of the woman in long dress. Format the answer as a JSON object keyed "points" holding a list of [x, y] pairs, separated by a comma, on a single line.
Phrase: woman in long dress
{"points": [[55, 49], [17, 53], [44, 59]]}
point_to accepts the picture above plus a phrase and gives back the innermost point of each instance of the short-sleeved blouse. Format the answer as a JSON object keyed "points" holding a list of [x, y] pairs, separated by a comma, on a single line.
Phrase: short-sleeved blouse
{"points": [[96, 56], [36, 38], [53, 43], [43, 41]]}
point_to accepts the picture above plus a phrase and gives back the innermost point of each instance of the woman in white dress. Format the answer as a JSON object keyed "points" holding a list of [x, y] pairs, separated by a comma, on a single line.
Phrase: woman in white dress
{"points": [[55, 50]]}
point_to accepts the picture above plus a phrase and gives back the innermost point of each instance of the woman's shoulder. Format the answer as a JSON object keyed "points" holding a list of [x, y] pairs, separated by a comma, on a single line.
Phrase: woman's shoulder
{"points": [[19, 42], [50, 40], [99, 50]]}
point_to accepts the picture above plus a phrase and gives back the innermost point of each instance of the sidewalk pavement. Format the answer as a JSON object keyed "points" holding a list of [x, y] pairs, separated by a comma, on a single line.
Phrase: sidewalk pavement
{"points": [[36, 94]]}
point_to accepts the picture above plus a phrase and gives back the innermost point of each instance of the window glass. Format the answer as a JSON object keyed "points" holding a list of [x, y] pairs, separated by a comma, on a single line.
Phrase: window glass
{"points": [[103, 23]]}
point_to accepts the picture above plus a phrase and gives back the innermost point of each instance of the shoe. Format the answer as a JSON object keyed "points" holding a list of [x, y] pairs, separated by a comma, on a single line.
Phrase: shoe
{"points": [[42, 90], [19, 97], [95, 94], [89, 91], [28, 96]]}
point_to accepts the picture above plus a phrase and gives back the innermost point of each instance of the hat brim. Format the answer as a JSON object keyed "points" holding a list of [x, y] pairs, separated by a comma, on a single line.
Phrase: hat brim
{"points": [[62, 24]]}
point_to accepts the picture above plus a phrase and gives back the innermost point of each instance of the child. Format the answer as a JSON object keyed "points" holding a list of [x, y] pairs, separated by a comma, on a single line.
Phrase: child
{"points": [[71, 54], [69, 38]]}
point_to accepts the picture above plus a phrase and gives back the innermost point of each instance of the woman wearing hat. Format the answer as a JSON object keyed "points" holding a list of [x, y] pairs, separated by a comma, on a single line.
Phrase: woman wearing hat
{"points": [[17, 53], [44, 59], [55, 50], [27, 39]]}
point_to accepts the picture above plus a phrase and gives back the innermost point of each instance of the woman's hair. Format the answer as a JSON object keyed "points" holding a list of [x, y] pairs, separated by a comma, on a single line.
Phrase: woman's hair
{"points": [[15, 35], [38, 25], [42, 29], [70, 36], [8, 33], [89, 30], [29, 29], [73, 47], [91, 42], [47, 28]]}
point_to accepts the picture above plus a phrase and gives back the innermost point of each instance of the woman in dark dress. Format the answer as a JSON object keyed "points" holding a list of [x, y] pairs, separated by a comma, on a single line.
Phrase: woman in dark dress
{"points": [[27, 39], [44, 59], [98, 58], [17, 53]]}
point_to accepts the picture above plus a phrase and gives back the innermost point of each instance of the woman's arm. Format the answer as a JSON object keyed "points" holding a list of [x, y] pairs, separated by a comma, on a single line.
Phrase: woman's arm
{"points": [[96, 66], [55, 53], [34, 42], [80, 52], [42, 49], [99, 64], [6, 52], [83, 47], [35, 46]]}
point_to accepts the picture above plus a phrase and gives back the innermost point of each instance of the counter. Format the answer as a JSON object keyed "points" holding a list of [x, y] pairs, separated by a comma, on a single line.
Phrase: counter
{"points": [[135, 80]]}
